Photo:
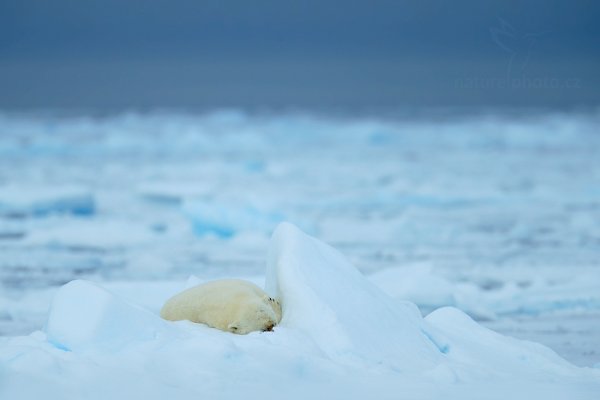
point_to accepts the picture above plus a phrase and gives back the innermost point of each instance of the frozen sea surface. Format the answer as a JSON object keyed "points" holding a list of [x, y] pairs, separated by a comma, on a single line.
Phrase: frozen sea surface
{"points": [[340, 336], [496, 214]]}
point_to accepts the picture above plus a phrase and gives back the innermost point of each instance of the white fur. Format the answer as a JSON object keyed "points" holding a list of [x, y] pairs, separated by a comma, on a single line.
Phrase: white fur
{"points": [[231, 305]]}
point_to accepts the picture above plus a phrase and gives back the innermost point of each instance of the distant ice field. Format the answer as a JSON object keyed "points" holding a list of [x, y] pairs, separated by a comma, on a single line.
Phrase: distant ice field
{"points": [[498, 215]]}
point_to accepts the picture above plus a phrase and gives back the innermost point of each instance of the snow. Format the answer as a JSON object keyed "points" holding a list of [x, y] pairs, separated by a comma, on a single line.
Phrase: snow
{"points": [[340, 335], [84, 315], [493, 213], [484, 353], [420, 284], [356, 321]]}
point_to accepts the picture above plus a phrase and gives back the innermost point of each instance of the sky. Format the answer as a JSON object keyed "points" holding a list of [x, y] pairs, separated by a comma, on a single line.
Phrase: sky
{"points": [[321, 55]]}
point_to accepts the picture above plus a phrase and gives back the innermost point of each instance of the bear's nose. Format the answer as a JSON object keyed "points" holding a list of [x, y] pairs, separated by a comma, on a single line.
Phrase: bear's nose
{"points": [[269, 328]]}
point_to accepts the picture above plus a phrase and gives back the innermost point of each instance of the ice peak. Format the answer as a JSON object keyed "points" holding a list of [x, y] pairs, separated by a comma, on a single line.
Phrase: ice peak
{"points": [[350, 319]]}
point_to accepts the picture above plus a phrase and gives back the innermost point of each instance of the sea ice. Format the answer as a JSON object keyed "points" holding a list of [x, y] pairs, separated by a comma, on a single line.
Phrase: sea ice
{"points": [[39, 201], [340, 336], [225, 221], [420, 284], [93, 233]]}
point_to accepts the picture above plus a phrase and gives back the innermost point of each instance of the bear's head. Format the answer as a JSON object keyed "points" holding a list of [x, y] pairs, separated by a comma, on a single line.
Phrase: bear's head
{"points": [[256, 316]]}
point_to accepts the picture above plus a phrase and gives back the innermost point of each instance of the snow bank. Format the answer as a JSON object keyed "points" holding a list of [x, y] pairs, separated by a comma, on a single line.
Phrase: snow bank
{"points": [[39, 201], [85, 316]]}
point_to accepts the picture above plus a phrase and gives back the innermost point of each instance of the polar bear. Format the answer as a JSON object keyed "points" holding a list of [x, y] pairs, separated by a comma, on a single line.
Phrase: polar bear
{"points": [[231, 305]]}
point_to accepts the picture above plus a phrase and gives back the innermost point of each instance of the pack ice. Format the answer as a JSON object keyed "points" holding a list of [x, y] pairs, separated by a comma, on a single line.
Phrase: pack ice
{"points": [[340, 337]]}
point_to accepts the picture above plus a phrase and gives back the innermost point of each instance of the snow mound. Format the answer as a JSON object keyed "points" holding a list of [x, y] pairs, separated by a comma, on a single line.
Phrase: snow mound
{"points": [[475, 351], [39, 201], [85, 316], [349, 318]]}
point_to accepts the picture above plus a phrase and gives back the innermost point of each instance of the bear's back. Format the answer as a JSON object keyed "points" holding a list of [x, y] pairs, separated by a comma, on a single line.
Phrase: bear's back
{"points": [[220, 304]]}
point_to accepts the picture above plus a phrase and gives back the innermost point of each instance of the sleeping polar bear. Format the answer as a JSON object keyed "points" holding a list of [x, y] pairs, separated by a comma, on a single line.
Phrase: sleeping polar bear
{"points": [[231, 305]]}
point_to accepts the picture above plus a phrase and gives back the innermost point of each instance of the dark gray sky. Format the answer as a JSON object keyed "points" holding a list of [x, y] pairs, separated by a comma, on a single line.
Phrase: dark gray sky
{"points": [[112, 54]]}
